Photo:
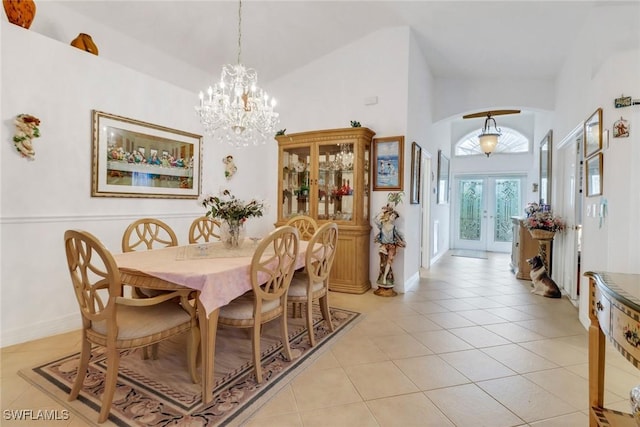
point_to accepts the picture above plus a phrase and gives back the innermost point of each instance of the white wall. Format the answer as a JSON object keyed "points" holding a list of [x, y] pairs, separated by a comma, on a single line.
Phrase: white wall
{"points": [[594, 75], [331, 91], [419, 129], [60, 23], [40, 199], [457, 96]]}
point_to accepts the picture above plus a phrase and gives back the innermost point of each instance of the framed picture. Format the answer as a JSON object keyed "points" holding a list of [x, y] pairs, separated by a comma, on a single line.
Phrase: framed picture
{"points": [[388, 163], [593, 133], [137, 159], [593, 172], [443, 179], [544, 183], [416, 163]]}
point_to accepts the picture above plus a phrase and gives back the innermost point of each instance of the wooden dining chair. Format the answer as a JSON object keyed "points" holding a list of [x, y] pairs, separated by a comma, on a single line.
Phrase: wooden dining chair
{"points": [[118, 323], [313, 283], [146, 234], [272, 268], [205, 229], [306, 226]]}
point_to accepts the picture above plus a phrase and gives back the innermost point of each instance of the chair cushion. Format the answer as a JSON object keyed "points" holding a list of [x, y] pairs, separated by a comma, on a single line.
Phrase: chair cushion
{"points": [[137, 322], [241, 308], [298, 287]]}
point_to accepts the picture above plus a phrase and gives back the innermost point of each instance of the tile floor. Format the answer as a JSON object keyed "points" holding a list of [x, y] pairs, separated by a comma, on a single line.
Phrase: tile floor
{"points": [[470, 346]]}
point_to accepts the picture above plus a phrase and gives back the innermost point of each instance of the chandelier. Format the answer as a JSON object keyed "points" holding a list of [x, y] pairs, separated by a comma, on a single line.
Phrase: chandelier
{"points": [[235, 108], [488, 137], [344, 158]]}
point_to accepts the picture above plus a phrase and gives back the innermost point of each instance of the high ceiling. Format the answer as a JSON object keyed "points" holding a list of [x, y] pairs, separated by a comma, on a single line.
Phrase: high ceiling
{"points": [[499, 39]]}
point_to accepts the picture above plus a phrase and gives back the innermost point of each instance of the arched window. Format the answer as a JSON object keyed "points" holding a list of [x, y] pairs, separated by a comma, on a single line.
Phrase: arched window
{"points": [[510, 141]]}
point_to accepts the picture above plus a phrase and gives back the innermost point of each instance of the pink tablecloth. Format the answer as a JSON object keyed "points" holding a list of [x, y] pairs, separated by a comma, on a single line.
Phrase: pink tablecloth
{"points": [[219, 279]]}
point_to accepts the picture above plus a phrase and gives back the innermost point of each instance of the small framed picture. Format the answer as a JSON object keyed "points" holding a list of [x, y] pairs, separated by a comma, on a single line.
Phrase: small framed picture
{"points": [[443, 179], [416, 163], [593, 133], [388, 163], [593, 172]]}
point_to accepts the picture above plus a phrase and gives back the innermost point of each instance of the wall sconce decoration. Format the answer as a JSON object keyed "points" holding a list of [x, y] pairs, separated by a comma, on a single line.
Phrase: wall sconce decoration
{"points": [[26, 131], [621, 128]]}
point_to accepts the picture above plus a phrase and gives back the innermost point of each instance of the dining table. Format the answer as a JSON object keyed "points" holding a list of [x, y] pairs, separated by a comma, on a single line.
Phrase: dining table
{"points": [[217, 274]]}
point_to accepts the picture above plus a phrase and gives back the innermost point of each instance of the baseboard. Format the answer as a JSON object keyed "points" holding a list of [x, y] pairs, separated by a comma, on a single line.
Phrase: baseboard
{"points": [[412, 283], [39, 330]]}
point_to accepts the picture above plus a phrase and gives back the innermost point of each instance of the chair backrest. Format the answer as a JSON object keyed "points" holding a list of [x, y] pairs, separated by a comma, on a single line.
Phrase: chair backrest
{"points": [[271, 273], [148, 233], [204, 228], [306, 226], [94, 275], [321, 251]]}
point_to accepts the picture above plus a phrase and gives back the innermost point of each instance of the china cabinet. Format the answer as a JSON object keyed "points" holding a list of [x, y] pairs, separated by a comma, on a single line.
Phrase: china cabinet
{"points": [[324, 174]]}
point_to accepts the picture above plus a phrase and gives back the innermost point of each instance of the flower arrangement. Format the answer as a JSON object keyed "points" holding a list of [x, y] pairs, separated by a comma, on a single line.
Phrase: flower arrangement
{"points": [[26, 130], [229, 208], [544, 220]]}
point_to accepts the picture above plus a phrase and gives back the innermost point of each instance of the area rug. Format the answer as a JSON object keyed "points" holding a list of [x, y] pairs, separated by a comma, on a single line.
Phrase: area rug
{"points": [[465, 253], [160, 393]]}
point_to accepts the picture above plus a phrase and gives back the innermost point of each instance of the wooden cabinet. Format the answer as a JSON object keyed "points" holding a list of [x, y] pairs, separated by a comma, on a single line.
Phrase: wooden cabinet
{"points": [[523, 247], [325, 174], [614, 311]]}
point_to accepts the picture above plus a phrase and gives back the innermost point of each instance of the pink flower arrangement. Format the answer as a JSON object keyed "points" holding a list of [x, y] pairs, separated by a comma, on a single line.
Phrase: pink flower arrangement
{"points": [[544, 221]]}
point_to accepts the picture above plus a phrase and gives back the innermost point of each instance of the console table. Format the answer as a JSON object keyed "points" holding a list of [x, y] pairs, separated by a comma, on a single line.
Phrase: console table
{"points": [[523, 247], [614, 311]]}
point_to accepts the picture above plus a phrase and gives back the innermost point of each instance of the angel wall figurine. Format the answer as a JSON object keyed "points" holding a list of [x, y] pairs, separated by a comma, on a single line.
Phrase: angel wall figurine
{"points": [[26, 131], [230, 167]]}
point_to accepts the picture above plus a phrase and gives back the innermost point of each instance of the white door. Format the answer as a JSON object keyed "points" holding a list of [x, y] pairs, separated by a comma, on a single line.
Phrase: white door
{"points": [[569, 203], [483, 211]]}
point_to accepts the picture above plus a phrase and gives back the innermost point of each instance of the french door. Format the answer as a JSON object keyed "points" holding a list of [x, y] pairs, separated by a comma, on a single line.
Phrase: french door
{"points": [[483, 211]]}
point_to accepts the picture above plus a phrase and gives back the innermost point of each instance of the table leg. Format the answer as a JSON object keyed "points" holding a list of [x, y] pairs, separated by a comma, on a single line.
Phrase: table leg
{"points": [[208, 328]]}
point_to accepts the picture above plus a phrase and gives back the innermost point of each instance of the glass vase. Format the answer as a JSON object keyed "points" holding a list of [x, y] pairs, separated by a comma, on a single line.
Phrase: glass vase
{"points": [[232, 233]]}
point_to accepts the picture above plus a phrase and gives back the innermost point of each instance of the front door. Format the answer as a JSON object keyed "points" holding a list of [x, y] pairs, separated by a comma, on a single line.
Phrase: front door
{"points": [[484, 207]]}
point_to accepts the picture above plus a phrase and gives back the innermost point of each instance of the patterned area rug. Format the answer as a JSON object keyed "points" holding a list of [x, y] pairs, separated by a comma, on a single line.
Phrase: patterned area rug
{"points": [[160, 392]]}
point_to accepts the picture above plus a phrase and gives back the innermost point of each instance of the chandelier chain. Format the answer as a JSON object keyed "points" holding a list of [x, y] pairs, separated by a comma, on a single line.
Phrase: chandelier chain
{"points": [[239, 30], [235, 109]]}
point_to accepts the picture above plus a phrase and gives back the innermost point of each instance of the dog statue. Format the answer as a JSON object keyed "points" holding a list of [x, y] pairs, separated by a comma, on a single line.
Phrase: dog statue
{"points": [[542, 283]]}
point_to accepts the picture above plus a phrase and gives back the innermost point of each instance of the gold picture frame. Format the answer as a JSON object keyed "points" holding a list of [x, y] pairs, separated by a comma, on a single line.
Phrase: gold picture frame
{"points": [[443, 179], [593, 174], [416, 164], [131, 158], [546, 154], [388, 161], [593, 134]]}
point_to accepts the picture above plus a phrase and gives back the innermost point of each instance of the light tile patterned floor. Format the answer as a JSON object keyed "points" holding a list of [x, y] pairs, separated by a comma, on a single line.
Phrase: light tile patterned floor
{"points": [[470, 346]]}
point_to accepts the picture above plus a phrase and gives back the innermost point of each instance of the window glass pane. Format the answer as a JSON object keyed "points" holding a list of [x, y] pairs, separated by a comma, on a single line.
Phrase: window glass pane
{"points": [[507, 205], [470, 209], [510, 141], [295, 197]]}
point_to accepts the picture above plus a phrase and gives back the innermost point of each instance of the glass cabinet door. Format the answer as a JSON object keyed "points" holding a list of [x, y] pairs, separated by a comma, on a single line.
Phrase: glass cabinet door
{"points": [[296, 181], [335, 182], [365, 196]]}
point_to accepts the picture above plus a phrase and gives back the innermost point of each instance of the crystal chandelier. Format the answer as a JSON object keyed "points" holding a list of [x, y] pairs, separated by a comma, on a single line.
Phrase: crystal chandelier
{"points": [[235, 108]]}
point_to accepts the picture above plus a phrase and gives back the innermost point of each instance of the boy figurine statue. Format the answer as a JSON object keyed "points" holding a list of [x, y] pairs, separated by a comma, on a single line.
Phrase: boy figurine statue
{"points": [[389, 239]]}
